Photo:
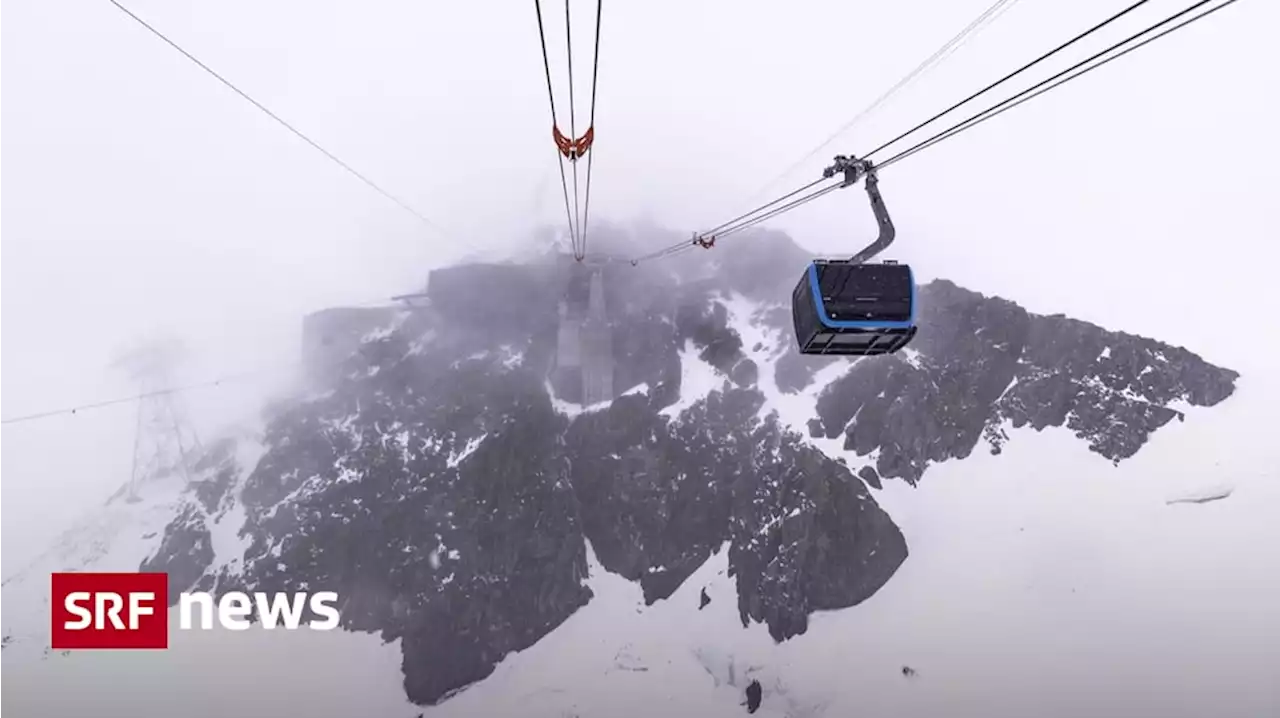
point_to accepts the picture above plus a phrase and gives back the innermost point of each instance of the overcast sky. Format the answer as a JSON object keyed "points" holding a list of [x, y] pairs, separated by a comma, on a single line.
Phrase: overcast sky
{"points": [[143, 195]]}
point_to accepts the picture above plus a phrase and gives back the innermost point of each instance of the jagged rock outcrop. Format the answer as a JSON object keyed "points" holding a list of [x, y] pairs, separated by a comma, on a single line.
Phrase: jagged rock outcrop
{"points": [[755, 692], [437, 483], [979, 362], [186, 549], [807, 537]]}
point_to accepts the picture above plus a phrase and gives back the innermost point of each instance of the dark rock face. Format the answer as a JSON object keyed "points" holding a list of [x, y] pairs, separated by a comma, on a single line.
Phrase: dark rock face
{"points": [[806, 536], [216, 474], [186, 549], [755, 692], [435, 501], [431, 482], [185, 553], [870, 476]]}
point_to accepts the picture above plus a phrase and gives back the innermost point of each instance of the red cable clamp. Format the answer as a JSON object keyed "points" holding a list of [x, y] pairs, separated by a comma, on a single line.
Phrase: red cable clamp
{"points": [[573, 149]]}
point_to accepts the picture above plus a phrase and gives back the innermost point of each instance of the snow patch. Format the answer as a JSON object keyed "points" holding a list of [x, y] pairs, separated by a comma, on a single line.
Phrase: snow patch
{"points": [[617, 657], [441, 552], [570, 409], [419, 345], [1202, 495], [642, 388], [456, 458], [794, 409], [697, 380], [229, 547], [386, 330], [1012, 383], [511, 357]]}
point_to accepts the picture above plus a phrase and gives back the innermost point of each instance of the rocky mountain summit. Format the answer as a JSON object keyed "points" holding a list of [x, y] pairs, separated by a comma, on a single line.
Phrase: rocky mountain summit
{"points": [[454, 459]]}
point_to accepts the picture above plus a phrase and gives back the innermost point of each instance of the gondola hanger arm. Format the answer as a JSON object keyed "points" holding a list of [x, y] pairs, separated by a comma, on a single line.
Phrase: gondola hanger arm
{"points": [[854, 169]]}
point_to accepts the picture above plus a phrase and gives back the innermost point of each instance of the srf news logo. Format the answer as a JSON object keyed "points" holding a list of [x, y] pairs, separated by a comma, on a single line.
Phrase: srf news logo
{"points": [[130, 610]]}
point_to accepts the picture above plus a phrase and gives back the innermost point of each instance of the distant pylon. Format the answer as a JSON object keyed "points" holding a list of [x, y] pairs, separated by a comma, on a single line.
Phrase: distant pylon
{"points": [[163, 437]]}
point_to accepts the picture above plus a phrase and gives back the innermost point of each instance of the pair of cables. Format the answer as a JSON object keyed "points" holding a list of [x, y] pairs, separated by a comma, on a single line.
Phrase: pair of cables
{"points": [[811, 191], [573, 147]]}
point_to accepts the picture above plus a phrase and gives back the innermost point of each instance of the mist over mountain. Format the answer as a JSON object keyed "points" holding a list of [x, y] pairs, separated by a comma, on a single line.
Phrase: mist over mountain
{"points": [[455, 462]]}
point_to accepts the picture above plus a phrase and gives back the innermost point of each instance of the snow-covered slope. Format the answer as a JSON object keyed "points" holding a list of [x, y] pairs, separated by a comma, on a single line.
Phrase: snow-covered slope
{"points": [[1029, 591], [442, 482]]}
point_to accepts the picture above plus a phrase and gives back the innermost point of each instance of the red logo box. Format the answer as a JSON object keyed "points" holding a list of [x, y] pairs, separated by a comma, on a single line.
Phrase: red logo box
{"points": [[109, 610]]}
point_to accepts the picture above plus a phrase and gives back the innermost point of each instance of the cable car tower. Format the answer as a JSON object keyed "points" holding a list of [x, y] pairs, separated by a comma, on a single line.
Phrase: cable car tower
{"points": [[163, 438]]}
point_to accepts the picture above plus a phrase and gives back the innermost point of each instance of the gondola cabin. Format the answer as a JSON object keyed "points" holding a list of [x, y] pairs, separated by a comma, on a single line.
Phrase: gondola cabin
{"points": [[846, 308]]}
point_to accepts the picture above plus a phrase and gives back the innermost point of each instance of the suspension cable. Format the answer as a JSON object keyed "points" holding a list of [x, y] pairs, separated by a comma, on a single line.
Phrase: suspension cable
{"points": [[714, 231], [377, 188], [595, 74], [144, 395], [751, 219], [761, 208], [564, 183], [780, 210], [224, 379], [573, 132], [975, 26], [1015, 73], [988, 17], [1059, 79]]}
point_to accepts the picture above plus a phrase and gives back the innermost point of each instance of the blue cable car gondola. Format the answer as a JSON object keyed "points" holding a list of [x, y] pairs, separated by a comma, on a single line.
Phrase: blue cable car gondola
{"points": [[846, 306]]}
